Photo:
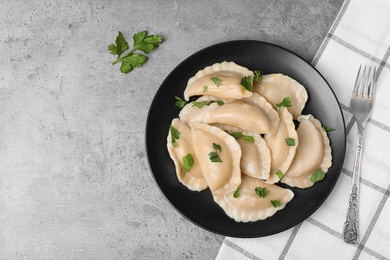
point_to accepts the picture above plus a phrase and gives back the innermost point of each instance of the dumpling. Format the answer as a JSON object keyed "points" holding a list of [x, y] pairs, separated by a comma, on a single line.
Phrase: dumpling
{"points": [[219, 156], [229, 75], [178, 149], [267, 109], [275, 87], [242, 114], [249, 206], [228, 112], [283, 145], [313, 152], [255, 154]]}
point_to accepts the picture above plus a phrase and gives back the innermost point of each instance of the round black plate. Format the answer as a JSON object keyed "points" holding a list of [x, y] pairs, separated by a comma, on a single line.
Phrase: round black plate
{"points": [[199, 207]]}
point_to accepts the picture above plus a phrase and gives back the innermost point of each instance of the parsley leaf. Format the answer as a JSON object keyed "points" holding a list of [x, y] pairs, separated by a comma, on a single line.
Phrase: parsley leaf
{"points": [[290, 141], [175, 134], [199, 104], [327, 129], [188, 161], [236, 135], [205, 88], [318, 175], [249, 139], [276, 203], [180, 102], [286, 102], [217, 147], [261, 192], [216, 80], [246, 82], [214, 157], [257, 77], [279, 173], [237, 194], [220, 102], [131, 59]]}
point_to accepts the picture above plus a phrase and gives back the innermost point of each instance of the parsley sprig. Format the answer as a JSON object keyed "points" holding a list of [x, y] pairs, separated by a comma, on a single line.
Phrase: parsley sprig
{"points": [[131, 59]]}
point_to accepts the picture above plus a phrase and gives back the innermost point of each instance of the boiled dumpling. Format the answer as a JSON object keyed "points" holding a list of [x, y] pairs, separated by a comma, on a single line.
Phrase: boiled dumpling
{"points": [[222, 80], [313, 152], [228, 112], [275, 87], [256, 156], [282, 145], [178, 149], [219, 156], [249, 206]]}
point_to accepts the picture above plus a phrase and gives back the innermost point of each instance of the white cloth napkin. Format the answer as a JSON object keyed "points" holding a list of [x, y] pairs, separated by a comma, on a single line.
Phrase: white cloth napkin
{"points": [[359, 35]]}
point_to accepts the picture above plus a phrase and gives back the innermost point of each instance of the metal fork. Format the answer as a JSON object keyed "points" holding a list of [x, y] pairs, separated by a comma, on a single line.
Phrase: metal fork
{"points": [[362, 101]]}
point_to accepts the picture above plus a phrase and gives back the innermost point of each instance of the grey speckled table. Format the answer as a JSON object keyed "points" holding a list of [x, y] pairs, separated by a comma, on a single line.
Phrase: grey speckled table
{"points": [[74, 177]]}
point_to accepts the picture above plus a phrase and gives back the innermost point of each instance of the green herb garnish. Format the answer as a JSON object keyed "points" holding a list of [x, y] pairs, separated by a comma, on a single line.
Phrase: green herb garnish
{"points": [[249, 139], [236, 194], [279, 173], [216, 80], [257, 77], [188, 161], [286, 102], [214, 157], [175, 134], [246, 82], [180, 102], [290, 141], [261, 192], [217, 147], [318, 175], [276, 203], [205, 88], [199, 104], [142, 42]]}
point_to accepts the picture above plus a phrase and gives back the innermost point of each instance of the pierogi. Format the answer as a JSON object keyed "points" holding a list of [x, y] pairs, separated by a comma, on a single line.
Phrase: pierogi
{"points": [[243, 140]]}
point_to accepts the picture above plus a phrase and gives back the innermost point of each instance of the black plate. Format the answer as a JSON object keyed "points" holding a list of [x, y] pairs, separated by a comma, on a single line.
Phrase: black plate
{"points": [[199, 207]]}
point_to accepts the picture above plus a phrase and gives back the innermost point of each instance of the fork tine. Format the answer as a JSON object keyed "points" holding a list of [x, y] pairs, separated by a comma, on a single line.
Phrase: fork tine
{"points": [[355, 90], [367, 81], [371, 89]]}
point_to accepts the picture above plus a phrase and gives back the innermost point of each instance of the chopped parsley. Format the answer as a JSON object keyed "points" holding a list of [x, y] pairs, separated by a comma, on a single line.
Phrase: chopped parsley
{"points": [[276, 203], [214, 157], [261, 192], [257, 77], [246, 82], [216, 80], [279, 173], [290, 141], [217, 147], [286, 102], [175, 134], [318, 175], [237, 194], [188, 161], [180, 102], [205, 88]]}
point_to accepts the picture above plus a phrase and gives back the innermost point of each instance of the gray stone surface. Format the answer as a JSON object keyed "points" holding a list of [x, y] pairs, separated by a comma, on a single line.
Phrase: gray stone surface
{"points": [[74, 177]]}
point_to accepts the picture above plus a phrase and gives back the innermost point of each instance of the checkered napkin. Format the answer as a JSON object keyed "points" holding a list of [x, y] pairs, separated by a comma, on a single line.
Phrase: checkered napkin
{"points": [[359, 35]]}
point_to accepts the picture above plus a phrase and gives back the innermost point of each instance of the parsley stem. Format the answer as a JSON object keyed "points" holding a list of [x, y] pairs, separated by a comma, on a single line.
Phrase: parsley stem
{"points": [[120, 58]]}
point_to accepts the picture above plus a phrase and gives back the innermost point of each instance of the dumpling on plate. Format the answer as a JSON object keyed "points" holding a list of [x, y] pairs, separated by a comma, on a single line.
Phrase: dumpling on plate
{"points": [[219, 156], [275, 87], [254, 200], [222, 80], [227, 112], [255, 156], [179, 144], [313, 153], [283, 145]]}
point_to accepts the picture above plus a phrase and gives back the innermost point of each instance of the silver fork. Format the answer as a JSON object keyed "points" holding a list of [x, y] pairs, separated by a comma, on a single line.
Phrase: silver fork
{"points": [[362, 101]]}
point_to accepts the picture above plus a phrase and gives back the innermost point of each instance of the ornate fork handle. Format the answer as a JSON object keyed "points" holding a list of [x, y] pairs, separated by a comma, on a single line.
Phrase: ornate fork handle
{"points": [[351, 224]]}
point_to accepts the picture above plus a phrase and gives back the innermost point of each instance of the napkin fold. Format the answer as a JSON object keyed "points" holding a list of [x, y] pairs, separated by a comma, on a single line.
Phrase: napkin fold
{"points": [[359, 35]]}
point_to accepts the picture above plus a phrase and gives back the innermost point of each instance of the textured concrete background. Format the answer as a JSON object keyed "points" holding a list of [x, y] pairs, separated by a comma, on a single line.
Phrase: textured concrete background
{"points": [[74, 179]]}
